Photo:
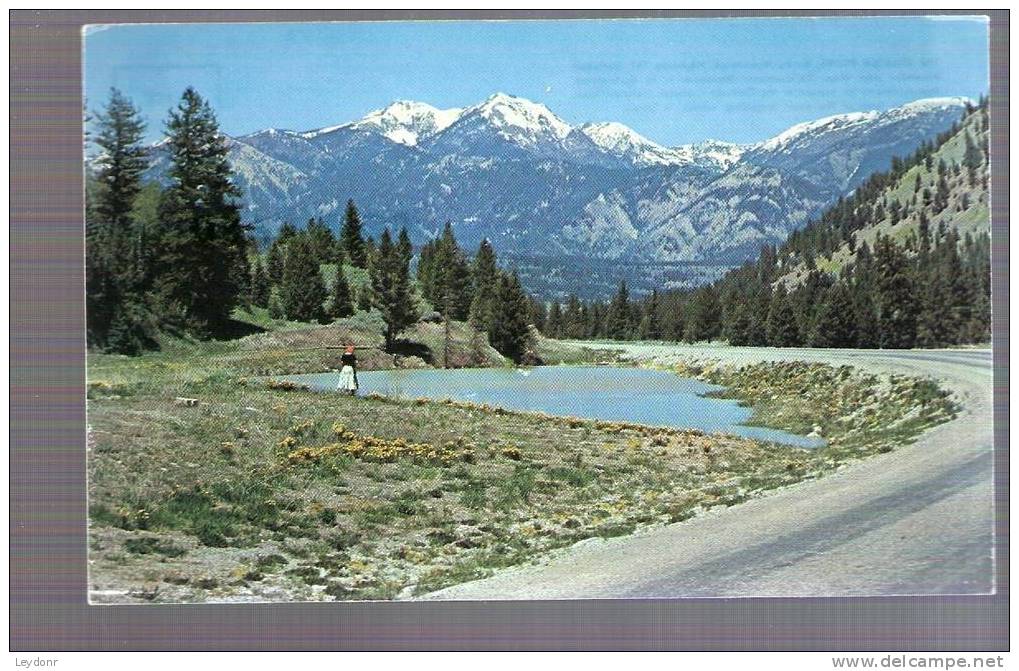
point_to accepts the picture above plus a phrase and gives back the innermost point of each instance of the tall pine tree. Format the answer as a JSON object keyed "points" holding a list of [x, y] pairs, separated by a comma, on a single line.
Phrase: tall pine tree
{"points": [[835, 325], [201, 235], [302, 291], [352, 237], [510, 333], [116, 309], [651, 324], [781, 327], [485, 278], [702, 318], [618, 323], [341, 304], [323, 244], [260, 287], [894, 299], [391, 294], [446, 276]]}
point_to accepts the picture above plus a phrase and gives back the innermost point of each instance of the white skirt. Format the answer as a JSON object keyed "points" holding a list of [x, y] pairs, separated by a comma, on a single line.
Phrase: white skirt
{"points": [[347, 380]]}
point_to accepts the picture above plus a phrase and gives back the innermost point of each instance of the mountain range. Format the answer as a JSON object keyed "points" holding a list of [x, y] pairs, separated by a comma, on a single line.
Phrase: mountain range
{"points": [[574, 207]]}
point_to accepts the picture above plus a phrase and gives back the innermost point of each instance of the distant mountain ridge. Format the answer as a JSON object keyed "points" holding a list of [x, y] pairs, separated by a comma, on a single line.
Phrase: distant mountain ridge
{"points": [[558, 194]]}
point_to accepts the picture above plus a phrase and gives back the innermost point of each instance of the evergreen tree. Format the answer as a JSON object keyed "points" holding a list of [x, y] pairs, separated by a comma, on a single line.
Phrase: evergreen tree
{"points": [[116, 308], [302, 291], [274, 262], [260, 288], [573, 325], [781, 327], [323, 244], [353, 240], [971, 159], [364, 298], [618, 324], [758, 307], [370, 251], [835, 325], [275, 305], [596, 321], [391, 293], [554, 322], [537, 313], [738, 315], [744, 310], [672, 315], [242, 278], [341, 304], [894, 300], [510, 333], [702, 317], [865, 315], [404, 246], [805, 301], [201, 235], [287, 233], [447, 277], [650, 324], [120, 165], [485, 278], [127, 333]]}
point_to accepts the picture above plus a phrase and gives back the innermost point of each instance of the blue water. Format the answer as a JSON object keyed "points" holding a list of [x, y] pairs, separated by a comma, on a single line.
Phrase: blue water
{"points": [[655, 398]]}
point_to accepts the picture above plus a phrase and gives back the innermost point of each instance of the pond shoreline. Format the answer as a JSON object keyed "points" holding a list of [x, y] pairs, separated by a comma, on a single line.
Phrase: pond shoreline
{"points": [[630, 394]]}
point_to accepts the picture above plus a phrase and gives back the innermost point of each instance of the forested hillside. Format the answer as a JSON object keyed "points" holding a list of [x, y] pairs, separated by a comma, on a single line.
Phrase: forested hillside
{"points": [[902, 262]]}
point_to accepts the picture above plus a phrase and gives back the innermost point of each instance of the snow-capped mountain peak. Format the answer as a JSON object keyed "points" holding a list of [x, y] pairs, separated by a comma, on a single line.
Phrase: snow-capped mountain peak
{"points": [[625, 143], [712, 153], [407, 122], [824, 125], [510, 170], [519, 118], [927, 104], [403, 121], [840, 123]]}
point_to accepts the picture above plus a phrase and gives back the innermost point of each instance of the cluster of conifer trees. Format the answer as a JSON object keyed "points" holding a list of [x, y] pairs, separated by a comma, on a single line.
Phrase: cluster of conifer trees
{"points": [[930, 289], [289, 280], [458, 288], [175, 260], [491, 300]]}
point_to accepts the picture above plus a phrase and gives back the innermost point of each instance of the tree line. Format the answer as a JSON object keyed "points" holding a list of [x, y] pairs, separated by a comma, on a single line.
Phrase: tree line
{"points": [[179, 259], [930, 289]]}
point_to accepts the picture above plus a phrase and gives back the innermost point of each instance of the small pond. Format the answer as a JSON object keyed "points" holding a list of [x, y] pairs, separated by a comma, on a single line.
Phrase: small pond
{"points": [[655, 398]]}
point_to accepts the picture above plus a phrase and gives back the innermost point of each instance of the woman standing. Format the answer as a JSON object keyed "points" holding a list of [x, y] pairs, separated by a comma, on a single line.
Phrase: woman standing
{"points": [[348, 372]]}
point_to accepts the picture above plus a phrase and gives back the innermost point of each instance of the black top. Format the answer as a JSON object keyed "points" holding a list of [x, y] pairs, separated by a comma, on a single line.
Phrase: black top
{"points": [[348, 360]]}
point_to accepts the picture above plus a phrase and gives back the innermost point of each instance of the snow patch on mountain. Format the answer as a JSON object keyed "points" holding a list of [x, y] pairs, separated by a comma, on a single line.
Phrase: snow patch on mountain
{"points": [[517, 119], [404, 121], [712, 154], [627, 144], [842, 122], [827, 124]]}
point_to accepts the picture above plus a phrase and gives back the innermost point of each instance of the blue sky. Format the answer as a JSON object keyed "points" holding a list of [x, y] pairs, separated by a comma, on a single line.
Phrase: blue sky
{"points": [[675, 81]]}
